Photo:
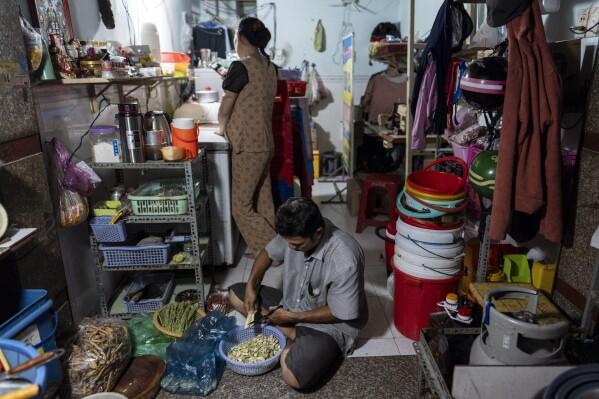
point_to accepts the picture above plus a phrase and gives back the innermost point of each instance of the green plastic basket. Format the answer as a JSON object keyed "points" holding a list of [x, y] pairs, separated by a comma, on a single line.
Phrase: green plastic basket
{"points": [[516, 268], [143, 203]]}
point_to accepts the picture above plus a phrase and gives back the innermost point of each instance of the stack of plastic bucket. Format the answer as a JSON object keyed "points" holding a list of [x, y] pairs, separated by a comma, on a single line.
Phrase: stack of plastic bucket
{"points": [[35, 324], [429, 246]]}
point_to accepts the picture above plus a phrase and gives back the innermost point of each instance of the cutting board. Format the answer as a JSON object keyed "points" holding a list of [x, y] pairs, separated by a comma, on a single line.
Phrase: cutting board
{"points": [[142, 378]]}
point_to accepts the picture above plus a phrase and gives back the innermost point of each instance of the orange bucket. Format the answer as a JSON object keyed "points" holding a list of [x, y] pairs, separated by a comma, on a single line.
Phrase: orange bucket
{"points": [[185, 135]]}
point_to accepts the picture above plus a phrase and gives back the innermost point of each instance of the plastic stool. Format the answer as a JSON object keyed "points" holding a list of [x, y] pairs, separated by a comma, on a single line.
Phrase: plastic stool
{"points": [[391, 184]]}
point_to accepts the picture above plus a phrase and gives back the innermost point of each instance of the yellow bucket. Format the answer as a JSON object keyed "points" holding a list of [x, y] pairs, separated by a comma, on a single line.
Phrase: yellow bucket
{"points": [[543, 276]]}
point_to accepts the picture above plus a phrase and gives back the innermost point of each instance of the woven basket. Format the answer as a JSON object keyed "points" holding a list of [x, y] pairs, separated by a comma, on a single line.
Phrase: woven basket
{"points": [[200, 315]]}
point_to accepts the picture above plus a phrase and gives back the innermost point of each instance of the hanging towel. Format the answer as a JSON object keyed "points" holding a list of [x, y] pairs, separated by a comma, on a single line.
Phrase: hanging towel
{"points": [[528, 178], [451, 27], [425, 109]]}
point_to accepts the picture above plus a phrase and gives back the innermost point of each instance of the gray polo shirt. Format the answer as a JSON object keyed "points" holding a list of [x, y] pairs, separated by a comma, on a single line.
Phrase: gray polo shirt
{"points": [[332, 275]]}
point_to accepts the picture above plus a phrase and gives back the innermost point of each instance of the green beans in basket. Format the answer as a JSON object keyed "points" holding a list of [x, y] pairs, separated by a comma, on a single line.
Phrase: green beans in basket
{"points": [[178, 316]]}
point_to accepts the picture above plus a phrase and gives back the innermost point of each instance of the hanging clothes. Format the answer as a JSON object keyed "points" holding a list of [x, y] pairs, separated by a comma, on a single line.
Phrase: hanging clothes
{"points": [[282, 166], [213, 36], [382, 93], [451, 27], [302, 153], [425, 109], [528, 179]]}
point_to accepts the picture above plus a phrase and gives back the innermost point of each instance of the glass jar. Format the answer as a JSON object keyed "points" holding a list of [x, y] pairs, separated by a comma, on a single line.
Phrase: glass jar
{"points": [[105, 144]]}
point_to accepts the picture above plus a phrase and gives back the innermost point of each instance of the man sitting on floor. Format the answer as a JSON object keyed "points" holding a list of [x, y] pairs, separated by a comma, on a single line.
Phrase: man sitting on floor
{"points": [[323, 298]]}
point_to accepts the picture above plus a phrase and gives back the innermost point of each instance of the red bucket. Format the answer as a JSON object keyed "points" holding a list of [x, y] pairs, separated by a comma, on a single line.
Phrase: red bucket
{"points": [[416, 298], [439, 183]]}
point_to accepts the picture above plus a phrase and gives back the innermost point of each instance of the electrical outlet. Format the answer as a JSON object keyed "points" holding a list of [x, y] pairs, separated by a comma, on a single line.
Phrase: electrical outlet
{"points": [[587, 18]]}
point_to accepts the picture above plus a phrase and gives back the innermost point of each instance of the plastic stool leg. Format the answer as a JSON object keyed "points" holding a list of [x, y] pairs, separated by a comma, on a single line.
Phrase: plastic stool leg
{"points": [[361, 224]]}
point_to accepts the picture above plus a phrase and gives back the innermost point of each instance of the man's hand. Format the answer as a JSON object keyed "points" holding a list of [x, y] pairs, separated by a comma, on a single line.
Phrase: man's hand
{"points": [[282, 316], [250, 299]]}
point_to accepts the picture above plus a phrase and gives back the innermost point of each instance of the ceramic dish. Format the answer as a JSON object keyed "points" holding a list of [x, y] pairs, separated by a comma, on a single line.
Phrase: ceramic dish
{"points": [[3, 221]]}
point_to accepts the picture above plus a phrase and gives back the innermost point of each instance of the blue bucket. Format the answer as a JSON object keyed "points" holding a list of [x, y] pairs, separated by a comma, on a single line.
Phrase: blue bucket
{"points": [[35, 324], [17, 353]]}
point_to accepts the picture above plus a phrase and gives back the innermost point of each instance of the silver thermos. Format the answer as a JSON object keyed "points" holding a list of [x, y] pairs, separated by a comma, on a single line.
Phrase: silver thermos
{"points": [[132, 132]]}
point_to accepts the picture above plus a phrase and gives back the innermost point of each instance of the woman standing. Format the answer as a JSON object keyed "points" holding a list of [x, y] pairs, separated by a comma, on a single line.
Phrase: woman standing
{"points": [[245, 116]]}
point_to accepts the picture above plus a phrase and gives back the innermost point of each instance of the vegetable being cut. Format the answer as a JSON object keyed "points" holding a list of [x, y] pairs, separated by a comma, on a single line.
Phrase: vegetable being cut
{"points": [[257, 349]]}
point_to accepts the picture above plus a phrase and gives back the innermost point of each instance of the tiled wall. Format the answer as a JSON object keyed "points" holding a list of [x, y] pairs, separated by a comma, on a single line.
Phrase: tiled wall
{"points": [[24, 189], [18, 118]]}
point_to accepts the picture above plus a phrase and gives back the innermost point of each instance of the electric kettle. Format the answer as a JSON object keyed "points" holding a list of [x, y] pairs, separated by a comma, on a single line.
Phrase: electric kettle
{"points": [[157, 121]]}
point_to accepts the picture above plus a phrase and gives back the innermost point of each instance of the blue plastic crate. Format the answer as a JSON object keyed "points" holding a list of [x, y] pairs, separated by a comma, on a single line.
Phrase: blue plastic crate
{"points": [[149, 255], [106, 232], [150, 305]]}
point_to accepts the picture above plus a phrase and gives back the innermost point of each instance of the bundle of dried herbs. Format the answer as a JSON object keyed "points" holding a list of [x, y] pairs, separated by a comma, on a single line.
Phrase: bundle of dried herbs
{"points": [[98, 357]]}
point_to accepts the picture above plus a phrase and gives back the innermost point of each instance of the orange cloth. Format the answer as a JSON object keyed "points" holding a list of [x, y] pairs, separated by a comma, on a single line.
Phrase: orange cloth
{"points": [[528, 177]]}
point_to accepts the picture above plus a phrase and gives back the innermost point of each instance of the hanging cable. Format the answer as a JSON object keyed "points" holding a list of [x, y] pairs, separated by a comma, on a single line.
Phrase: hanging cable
{"points": [[86, 133], [129, 23]]}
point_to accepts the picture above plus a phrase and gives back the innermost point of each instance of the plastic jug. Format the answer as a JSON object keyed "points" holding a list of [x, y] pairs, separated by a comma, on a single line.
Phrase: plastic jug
{"points": [[185, 132]]}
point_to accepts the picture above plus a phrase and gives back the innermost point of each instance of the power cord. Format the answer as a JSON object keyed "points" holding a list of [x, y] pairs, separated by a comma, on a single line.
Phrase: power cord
{"points": [[581, 30]]}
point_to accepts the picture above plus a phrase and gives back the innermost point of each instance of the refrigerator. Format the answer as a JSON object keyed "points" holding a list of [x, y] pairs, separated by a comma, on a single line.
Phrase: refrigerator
{"points": [[225, 235]]}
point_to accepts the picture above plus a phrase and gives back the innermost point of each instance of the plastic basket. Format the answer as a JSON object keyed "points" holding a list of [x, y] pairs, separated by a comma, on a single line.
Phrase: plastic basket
{"points": [[106, 232], [144, 204], [17, 353], [241, 334], [148, 255], [150, 305]]}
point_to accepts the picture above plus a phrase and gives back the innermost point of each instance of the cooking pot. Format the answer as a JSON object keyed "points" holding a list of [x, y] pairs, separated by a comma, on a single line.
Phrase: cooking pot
{"points": [[207, 96]]}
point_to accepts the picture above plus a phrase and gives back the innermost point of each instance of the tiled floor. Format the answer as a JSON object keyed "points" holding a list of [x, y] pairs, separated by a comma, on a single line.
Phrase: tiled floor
{"points": [[379, 337]]}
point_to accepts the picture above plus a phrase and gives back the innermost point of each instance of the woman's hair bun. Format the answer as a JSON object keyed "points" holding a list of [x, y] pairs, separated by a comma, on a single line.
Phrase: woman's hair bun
{"points": [[254, 31]]}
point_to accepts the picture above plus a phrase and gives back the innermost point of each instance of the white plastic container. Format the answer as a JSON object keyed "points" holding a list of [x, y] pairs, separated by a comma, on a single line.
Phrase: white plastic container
{"points": [[429, 236], [441, 251], [149, 36], [549, 6], [425, 270], [105, 144], [433, 263]]}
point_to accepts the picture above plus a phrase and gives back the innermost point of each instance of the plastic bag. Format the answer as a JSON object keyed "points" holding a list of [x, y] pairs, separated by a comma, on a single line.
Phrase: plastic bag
{"points": [[76, 177], [193, 365], [33, 45], [98, 357], [486, 36], [73, 208], [146, 339]]}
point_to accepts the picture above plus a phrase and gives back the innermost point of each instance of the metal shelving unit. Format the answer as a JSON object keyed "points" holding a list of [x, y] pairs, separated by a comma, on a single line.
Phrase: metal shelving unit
{"points": [[195, 171]]}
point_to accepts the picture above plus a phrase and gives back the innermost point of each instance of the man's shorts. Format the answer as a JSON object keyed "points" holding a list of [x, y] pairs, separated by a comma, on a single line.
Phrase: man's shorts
{"points": [[313, 353]]}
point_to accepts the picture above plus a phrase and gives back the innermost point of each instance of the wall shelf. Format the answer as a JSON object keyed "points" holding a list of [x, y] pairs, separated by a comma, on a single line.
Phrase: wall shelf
{"points": [[150, 83]]}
